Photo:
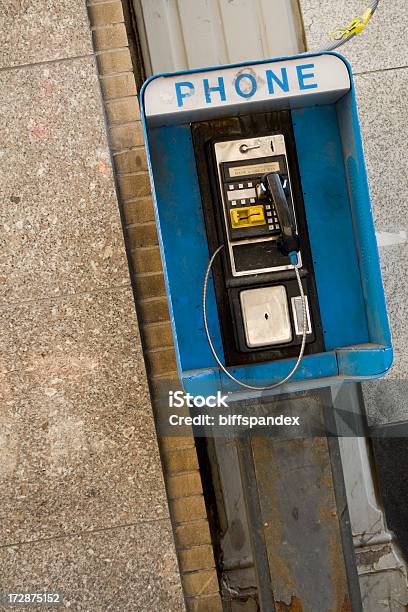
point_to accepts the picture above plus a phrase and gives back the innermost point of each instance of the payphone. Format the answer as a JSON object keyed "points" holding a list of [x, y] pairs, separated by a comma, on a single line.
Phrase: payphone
{"points": [[265, 226], [255, 221], [255, 190]]}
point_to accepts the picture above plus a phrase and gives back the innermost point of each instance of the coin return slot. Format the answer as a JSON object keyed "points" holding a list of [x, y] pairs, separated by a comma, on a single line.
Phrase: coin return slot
{"points": [[265, 313]]}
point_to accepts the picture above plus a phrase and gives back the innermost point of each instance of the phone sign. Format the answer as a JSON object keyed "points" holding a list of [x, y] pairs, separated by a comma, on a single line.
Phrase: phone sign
{"points": [[325, 76]]}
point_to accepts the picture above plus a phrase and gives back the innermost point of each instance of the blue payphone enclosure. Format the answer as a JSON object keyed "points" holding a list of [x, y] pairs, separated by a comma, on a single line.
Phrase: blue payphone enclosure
{"points": [[337, 202]]}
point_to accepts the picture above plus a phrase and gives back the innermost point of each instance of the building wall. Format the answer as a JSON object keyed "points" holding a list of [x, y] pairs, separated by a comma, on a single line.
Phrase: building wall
{"points": [[181, 35], [379, 58], [84, 510]]}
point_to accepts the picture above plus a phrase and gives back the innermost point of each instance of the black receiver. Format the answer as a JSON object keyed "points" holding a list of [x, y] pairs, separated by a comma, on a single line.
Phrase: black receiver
{"points": [[288, 241], [252, 202]]}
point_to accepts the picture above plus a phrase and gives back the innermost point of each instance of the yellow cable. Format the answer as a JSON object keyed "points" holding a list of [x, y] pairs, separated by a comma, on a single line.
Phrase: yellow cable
{"points": [[354, 28]]}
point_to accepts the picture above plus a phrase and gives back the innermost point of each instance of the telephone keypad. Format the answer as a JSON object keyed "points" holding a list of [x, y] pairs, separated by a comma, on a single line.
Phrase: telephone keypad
{"points": [[234, 197]]}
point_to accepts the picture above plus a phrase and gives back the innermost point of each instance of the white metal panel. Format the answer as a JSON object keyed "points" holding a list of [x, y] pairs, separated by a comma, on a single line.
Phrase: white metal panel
{"points": [[244, 31], [381, 568], [181, 34], [283, 27], [259, 29], [203, 33], [163, 33], [382, 571]]}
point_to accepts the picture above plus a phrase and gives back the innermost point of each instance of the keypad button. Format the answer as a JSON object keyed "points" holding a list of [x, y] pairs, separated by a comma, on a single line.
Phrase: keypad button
{"points": [[252, 200], [250, 184], [240, 186], [233, 202], [230, 187], [268, 206], [243, 201]]}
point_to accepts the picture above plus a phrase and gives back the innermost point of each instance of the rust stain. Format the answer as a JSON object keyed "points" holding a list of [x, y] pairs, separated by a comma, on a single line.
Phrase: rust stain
{"points": [[294, 606], [328, 513], [346, 607], [319, 442], [274, 533], [327, 479], [338, 577]]}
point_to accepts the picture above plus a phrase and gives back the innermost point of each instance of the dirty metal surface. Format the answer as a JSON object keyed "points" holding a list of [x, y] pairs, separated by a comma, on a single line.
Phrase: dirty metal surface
{"points": [[305, 519], [231, 529], [391, 460], [380, 564], [255, 518]]}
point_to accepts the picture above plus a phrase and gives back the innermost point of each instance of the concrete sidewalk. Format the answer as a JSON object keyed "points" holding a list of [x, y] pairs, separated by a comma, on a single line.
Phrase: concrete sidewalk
{"points": [[84, 510]]}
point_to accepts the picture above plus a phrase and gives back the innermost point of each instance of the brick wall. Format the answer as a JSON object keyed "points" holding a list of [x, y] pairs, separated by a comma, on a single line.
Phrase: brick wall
{"points": [[179, 456]]}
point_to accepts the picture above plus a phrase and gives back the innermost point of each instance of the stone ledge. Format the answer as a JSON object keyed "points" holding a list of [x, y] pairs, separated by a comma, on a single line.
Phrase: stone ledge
{"points": [[105, 13], [192, 534], [147, 260], [188, 509], [203, 582], [110, 37], [131, 161], [211, 603], [133, 186], [197, 558], [126, 136], [181, 460], [114, 62], [183, 485], [118, 86], [122, 110], [179, 455]]}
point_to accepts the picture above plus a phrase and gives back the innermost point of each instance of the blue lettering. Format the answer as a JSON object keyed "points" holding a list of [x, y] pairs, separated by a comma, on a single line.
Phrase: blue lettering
{"points": [[252, 80], [283, 82], [180, 95], [208, 90], [302, 76]]}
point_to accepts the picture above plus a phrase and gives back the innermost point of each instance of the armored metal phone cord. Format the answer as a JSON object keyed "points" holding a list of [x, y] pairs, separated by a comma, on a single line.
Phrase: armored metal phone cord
{"points": [[342, 35], [214, 352]]}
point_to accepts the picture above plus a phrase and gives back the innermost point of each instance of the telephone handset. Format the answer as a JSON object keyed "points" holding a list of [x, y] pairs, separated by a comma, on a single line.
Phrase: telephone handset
{"points": [[288, 241]]}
